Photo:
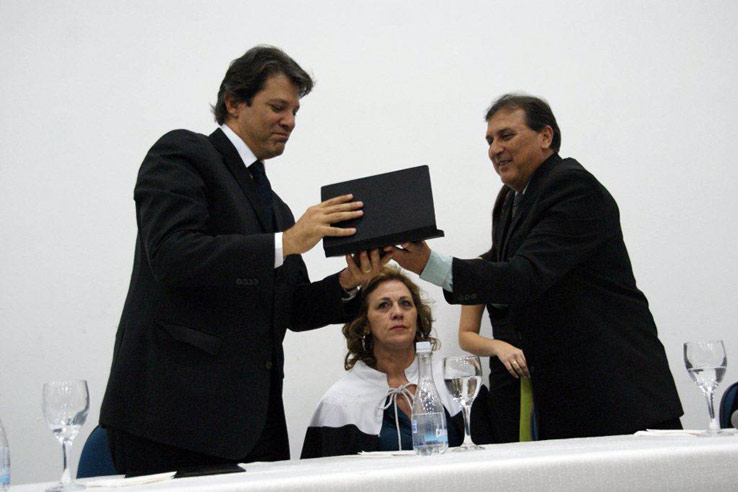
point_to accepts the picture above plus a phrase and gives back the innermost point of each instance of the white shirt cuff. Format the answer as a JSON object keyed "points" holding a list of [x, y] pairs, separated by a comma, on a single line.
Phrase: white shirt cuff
{"points": [[278, 260], [438, 271]]}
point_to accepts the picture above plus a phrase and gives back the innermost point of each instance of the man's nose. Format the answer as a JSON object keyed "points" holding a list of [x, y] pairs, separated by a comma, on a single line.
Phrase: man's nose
{"points": [[288, 121], [494, 150]]}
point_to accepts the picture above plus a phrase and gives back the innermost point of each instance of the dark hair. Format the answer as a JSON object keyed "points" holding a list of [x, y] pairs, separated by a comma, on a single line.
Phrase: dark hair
{"points": [[538, 114], [247, 75], [355, 330]]}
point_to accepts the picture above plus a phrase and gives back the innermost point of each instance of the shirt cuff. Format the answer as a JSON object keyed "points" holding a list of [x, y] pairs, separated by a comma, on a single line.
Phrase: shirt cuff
{"points": [[349, 294], [278, 260], [438, 271]]}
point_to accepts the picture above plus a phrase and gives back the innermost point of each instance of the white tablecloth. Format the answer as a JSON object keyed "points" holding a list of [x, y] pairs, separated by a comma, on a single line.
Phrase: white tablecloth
{"points": [[617, 463]]}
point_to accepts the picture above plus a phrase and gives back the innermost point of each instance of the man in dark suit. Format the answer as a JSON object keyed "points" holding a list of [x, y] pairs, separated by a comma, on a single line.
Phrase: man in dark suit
{"points": [[197, 368], [559, 275]]}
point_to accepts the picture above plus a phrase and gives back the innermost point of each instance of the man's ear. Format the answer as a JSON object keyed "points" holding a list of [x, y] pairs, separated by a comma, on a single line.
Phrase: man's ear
{"points": [[547, 135], [231, 106]]}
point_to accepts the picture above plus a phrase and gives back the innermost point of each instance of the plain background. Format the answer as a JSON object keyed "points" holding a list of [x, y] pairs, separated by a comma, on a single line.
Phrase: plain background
{"points": [[644, 92]]}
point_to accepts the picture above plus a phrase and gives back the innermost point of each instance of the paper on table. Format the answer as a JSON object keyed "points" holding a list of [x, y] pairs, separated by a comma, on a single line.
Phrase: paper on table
{"points": [[384, 454], [677, 432], [122, 482]]}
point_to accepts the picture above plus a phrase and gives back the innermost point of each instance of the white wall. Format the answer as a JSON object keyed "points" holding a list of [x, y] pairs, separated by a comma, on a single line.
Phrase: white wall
{"points": [[645, 94]]}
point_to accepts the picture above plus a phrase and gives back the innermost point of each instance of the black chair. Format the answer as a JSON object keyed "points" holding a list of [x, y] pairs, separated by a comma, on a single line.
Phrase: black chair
{"points": [[96, 460], [728, 405]]}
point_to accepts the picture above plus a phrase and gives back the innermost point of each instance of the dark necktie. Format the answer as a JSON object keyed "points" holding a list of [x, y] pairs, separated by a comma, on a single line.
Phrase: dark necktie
{"points": [[516, 203], [264, 188]]}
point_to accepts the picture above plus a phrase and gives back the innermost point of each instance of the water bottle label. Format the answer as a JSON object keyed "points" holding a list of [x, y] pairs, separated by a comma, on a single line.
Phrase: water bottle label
{"points": [[437, 437], [429, 430], [4, 467]]}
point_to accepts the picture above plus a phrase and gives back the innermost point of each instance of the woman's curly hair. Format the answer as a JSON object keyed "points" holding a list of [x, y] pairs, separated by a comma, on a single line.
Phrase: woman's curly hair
{"points": [[355, 330]]}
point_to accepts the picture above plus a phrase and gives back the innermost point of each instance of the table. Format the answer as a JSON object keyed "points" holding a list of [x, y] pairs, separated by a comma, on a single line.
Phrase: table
{"points": [[617, 463]]}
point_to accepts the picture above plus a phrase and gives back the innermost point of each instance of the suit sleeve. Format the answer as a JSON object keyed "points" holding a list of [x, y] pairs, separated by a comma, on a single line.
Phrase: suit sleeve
{"points": [[172, 210], [575, 217], [316, 304]]}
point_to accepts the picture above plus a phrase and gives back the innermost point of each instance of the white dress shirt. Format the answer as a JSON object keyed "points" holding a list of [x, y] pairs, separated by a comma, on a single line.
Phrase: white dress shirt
{"points": [[249, 158]]}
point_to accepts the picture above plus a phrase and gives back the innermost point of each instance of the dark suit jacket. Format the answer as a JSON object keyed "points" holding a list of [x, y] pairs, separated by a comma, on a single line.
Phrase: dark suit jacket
{"points": [[561, 265], [202, 326]]}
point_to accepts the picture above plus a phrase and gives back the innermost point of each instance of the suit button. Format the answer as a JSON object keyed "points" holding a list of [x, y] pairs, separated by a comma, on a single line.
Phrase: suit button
{"points": [[239, 281], [473, 296], [268, 364], [256, 281]]}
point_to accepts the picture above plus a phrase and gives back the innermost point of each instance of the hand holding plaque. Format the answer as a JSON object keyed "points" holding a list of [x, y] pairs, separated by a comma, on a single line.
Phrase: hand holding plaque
{"points": [[398, 208]]}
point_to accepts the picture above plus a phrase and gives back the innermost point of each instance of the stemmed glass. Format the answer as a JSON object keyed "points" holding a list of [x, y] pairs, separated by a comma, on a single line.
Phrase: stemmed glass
{"points": [[463, 376], [706, 364], [65, 405]]}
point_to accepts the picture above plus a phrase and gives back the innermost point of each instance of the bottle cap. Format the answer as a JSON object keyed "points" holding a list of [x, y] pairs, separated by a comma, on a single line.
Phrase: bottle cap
{"points": [[422, 347]]}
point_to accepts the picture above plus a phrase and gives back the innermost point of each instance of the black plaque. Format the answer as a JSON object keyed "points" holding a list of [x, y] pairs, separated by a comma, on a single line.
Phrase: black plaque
{"points": [[398, 207]]}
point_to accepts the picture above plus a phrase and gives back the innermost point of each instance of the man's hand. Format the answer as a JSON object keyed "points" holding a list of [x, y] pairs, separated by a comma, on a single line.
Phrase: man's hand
{"points": [[411, 256], [362, 268], [315, 224]]}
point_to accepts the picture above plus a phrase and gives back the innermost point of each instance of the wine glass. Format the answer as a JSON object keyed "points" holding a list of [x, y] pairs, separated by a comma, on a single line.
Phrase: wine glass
{"points": [[706, 364], [463, 376], [65, 405]]}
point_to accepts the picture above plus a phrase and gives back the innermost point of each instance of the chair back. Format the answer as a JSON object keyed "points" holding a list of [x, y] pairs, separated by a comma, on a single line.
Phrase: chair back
{"points": [[96, 460], [728, 405]]}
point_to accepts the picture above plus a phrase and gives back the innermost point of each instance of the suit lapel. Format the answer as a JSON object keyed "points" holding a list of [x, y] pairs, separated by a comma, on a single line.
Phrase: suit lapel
{"points": [[503, 230], [531, 193], [237, 167], [497, 223], [278, 217]]}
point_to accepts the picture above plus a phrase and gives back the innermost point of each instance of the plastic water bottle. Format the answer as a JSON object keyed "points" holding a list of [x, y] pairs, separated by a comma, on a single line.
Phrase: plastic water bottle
{"points": [[430, 434], [4, 460]]}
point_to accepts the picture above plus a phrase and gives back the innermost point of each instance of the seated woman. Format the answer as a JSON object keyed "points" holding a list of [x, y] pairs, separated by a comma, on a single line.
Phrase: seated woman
{"points": [[369, 409]]}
